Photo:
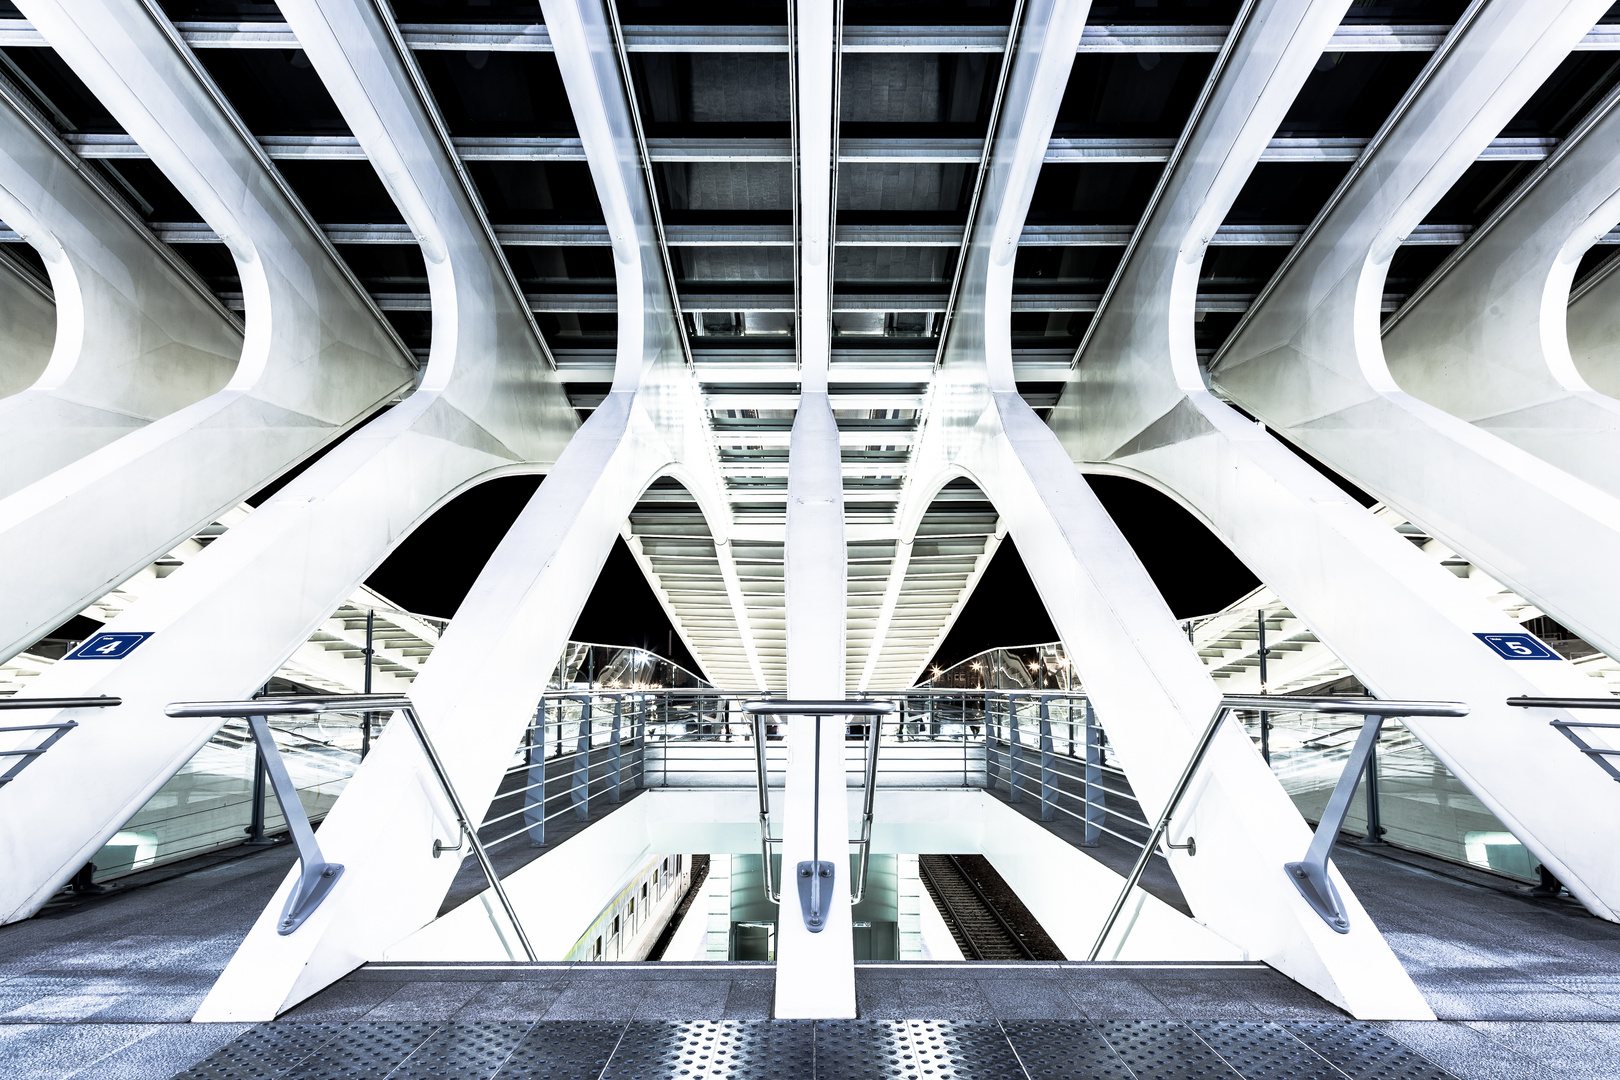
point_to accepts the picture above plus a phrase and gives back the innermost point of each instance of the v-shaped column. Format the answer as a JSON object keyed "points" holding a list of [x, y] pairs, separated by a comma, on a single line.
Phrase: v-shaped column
{"points": [[815, 965]]}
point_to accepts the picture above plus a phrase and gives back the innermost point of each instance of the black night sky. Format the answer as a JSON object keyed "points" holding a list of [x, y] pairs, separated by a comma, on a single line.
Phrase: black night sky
{"points": [[433, 569]]}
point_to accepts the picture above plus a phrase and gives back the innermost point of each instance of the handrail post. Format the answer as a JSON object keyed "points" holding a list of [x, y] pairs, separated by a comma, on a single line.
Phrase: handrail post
{"points": [[316, 876], [1310, 875], [1048, 777], [613, 748], [256, 837], [468, 830], [1170, 807], [1096, 797]]}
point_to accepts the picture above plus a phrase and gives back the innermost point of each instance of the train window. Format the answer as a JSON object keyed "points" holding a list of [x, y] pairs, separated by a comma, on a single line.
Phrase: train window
{"points": [[632, 905], [644, 890], [655, 877], [598, 955], [666, 865], [677, 864], [615, 926]]}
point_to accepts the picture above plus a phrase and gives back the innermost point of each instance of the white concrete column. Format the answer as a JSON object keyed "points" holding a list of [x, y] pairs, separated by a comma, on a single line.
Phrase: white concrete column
{"points": [[1593, 334], [479, 689], [137, 334], [1148, 684], [1486, 338], [1136, 406], [1308, 361], [815, 971], [317, 356], [227, 620], [27, 325]]}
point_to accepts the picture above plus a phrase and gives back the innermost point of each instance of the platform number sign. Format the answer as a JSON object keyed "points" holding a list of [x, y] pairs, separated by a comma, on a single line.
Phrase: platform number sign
{"points": [[109, 645], [1518, 646]]}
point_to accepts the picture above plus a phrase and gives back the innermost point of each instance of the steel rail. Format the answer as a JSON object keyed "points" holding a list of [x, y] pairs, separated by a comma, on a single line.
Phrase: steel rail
{"points": [[1222, 58], [652, 179], [1376, 143], [986, 153]]}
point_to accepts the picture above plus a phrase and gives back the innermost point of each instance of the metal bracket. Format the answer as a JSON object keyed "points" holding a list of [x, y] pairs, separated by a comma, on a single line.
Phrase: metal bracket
{"points": [[1310, 875], [440, 847], [316, 876], [815, 883], [1190, 847]]}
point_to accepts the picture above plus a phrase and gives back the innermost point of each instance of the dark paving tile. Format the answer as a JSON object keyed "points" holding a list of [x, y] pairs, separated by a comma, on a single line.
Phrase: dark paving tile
{"points": [[471, 1051], [1030, 999], [944, 999], [343, 1000], [169, 1049], [684, 1000], [864, 1050], [264, 1051], [1113, 996], [423, 1001], [963, 1050], [1261, 1051], [750, 999], [363, 1052], [1064, 1050], [715, 1048], [1163, 1050], [1459, 1050], [597, 1002], [1203, 999], [878, 999], [562, 1050], [53, 1051], [505, 1001], [1362, 1052]]}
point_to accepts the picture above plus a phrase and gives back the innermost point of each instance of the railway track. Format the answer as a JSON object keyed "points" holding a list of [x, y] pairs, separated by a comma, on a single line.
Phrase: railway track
{"points": [[980, 930]]}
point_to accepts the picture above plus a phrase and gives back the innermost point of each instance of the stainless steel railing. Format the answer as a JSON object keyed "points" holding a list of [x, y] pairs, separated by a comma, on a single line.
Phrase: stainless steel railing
{"points": [[26, 755], [1570, 729], [1309, 875]]}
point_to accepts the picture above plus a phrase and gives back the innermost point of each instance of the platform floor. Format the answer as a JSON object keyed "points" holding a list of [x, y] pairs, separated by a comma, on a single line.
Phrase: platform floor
{"points": [[101, 988]]}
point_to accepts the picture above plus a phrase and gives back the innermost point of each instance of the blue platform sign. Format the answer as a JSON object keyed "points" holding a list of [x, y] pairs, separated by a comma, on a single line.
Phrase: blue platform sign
{"points": [[109, 645], [1518, 646]]}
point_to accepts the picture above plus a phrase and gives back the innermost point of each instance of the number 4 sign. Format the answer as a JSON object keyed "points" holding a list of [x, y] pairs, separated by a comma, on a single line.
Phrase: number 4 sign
{"points": [[109, 645], [1518, 646]]}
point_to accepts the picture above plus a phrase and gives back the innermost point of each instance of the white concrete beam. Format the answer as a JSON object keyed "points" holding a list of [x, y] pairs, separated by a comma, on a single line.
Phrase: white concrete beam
{"points": [[317, 357], [1307, 358], [1485, 338], [227, 620], [138, 335]]}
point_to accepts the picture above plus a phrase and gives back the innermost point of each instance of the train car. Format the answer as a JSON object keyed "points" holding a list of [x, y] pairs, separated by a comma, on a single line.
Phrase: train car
{"points": [[636, 917]]}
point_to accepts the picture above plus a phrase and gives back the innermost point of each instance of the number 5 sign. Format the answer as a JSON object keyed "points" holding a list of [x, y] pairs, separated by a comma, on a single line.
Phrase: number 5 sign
{"points": [[1518, 646]]}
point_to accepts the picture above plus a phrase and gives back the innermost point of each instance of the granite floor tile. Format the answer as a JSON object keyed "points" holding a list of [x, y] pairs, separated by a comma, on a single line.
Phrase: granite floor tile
{"points": [[161, 1053], [944, 999], [506, 1001], [597, 1002], [750, 999], [1029, 999], [673, 999], [878, 999], [1469, 1054], [423, 1001]]}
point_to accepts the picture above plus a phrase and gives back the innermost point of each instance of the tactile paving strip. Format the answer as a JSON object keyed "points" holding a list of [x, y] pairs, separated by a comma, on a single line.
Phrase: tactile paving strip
{"points": [[1362, 1052], [464, 1051], [1262, 1051], [1064, 1050], [864, 1050], [731, 1049], [363, 1051], [563, 1050], [1163, 1050], [962, 1050], [263, 1052]]}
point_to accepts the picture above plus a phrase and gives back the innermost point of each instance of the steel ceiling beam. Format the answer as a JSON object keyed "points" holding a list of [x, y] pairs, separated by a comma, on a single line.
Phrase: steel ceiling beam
{"points": [[919, 151], [532, 37]]}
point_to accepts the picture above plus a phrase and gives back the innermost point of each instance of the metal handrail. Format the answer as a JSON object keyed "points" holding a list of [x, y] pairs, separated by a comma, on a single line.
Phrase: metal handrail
{"points": [[810, 874], [1310, 874], [1598, 754], [57, 728], [102, 702], [316, 875]]}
